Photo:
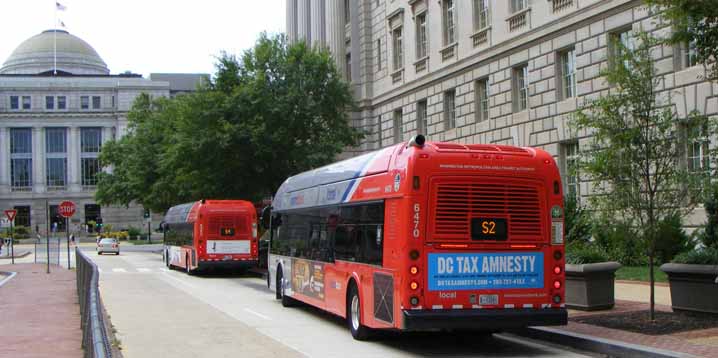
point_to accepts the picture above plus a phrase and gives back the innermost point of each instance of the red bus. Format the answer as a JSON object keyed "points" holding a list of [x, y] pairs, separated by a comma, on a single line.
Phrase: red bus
{"points": [[424, 236], [211, 233]]}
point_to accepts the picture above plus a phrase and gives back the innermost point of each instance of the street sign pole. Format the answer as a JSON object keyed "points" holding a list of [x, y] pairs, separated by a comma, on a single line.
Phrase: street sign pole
{"points": [[67, 232], [66, 209], [47, 237], [12, 242]]}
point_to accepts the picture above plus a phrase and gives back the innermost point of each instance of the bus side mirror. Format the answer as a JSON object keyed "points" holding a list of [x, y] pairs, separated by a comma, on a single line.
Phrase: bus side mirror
{"points": [[265, 217]]}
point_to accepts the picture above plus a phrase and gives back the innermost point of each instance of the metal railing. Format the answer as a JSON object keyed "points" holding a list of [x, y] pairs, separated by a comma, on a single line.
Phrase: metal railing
{"points": [[95, 339]]}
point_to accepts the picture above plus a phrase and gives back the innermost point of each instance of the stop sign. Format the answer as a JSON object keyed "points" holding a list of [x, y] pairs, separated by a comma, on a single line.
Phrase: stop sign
{"points": [[66, 209]]}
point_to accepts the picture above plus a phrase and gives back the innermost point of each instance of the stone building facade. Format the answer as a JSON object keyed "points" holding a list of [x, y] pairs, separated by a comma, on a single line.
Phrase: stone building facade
{"points": [[56, 111], [490, 71]]}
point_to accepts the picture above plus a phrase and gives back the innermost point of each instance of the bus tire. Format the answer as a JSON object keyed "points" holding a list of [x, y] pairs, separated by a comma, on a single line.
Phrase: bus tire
{"points": [[358, 330], [286, 300]]}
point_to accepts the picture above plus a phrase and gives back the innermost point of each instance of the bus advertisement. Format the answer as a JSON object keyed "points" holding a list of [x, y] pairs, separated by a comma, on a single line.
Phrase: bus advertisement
{"points": [[211, 234], [424, 236]]}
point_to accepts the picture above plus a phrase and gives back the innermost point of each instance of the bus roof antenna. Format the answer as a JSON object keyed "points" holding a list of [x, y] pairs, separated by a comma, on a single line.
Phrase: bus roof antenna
{"points": [[417, 141]]}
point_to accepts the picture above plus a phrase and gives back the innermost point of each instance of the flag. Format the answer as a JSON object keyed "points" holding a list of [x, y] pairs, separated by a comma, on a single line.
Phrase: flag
{"points": [[60, 6]]}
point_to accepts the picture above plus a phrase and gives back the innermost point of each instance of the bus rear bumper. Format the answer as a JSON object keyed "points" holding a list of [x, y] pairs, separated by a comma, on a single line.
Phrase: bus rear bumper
{"points": [[489, 319], [228, 264]]}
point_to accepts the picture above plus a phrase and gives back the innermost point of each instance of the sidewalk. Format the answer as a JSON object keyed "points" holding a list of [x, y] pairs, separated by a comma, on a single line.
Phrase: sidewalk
{"points": [[39, 313], [632, 297]]}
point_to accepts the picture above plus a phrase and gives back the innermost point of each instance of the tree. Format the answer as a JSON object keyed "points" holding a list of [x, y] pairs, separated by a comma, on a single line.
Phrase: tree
{"points": [[278, 110], [635, 161], [694, 22]]}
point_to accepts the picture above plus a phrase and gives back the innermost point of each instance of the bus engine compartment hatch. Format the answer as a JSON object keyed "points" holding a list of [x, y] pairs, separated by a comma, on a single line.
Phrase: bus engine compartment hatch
{"points": [[384, 297]]}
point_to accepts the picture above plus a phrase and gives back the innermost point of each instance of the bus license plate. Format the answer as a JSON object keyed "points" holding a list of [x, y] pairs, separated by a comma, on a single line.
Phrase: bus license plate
{"points": [[488, 299]]}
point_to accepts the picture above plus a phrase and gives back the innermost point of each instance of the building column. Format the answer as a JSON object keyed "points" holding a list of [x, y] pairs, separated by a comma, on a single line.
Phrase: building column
{"points": [[291, 21], [107, 135], [303, 21], [318, 22], [73, 160], [38, 160], [335, 32], [4, 160]]}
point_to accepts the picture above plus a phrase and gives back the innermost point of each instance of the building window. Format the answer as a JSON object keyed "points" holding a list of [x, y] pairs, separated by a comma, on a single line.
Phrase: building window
{"points": [[449, 22], [61, 102], [348, 67], [95, 102], [49, 102], [56, 157], [688, 54], [698, 154], [90, 143], [21, 158], [421, 39], [482, 99], [26, 102], [481, 14], [570, 169], [14, 102], [450, 109], [84, 102], [618, 42], [567, 72], [347, 12], [398, 126], [378, 54], [22, 217], [398, 48], [421, 118], [518, 5], [521, 88]]}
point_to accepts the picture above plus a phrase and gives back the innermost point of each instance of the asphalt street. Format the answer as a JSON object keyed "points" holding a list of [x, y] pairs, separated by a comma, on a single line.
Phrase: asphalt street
{"points": [[161, 312]]}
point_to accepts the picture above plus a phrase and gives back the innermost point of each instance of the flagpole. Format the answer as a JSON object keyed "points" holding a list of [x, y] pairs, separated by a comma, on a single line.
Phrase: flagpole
{"points": [[54, 45]]}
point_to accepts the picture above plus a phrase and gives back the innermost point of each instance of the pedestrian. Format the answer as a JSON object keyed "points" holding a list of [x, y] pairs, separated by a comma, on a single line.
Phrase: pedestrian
{"points": [[72, 239]]}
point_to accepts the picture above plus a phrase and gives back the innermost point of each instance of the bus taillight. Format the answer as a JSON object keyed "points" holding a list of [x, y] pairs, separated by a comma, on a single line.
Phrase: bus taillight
{"points": [[557, 284], [557, 270], [414, 254], [413, 285], [414, 301], [414, 270]]}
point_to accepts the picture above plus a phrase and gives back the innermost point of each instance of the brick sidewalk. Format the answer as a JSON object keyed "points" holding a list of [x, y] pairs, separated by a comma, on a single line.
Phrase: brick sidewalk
{"points": [[701, 343], [39, 313]]}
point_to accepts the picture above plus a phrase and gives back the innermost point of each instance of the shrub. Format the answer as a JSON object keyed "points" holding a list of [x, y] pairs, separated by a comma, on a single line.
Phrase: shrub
{"points": [[705, 256], [21, 232], [133, 232], [671, 239], [709, 235], [620, 242], [577, 221], [578, 253]]}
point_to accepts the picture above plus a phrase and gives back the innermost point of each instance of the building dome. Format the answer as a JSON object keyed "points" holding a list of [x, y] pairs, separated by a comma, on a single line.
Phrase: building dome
{"points": [[36, 55]]}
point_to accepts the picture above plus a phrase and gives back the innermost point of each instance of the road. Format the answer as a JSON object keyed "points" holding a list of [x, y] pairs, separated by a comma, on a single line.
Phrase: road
{"points": [[158, 312]]}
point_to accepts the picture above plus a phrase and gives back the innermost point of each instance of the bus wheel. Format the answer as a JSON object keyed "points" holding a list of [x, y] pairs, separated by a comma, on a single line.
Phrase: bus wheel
{"points": [[286, 300], [359, 331]]}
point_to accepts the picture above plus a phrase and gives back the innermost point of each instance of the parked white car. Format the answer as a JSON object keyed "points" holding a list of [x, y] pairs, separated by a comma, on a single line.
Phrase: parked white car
{"points": [[108, 245]]}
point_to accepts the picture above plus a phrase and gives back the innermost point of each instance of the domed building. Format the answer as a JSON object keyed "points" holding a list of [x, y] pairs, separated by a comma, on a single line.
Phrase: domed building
{"points": [[58, 105]]}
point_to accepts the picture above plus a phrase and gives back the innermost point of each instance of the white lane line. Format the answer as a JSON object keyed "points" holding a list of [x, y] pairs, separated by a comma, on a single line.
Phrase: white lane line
{"points": [[118, 270], [257, 314], [143, 269], [164, 269]]}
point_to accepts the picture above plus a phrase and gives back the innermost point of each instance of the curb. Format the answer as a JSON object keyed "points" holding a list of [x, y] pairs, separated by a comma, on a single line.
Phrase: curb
{"points": [[588, 343], [19, 255], [8, 278]]}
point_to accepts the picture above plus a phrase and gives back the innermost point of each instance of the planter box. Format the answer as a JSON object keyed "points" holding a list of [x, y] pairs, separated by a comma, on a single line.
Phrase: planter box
{"points": [[693, 287], [590, 286]]}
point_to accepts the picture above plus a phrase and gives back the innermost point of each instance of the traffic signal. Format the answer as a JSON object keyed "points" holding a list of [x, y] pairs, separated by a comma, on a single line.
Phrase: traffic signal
{"points": [[99, 224], [147, 213]]}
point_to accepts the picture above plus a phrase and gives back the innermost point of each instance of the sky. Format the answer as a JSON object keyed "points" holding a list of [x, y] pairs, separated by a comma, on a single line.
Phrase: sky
{"points": [[146, 36]]}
